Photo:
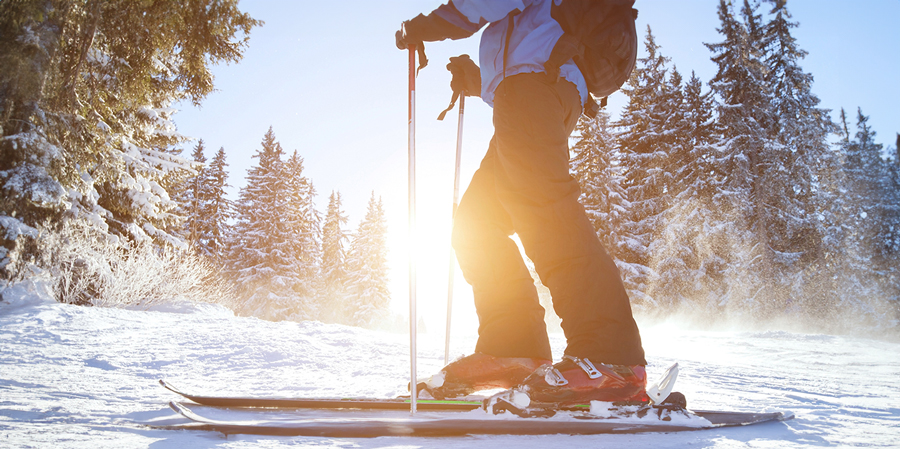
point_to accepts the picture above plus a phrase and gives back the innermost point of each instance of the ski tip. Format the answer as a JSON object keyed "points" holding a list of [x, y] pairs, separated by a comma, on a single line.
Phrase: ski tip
{"points": [[786, 415], [169, 387]]}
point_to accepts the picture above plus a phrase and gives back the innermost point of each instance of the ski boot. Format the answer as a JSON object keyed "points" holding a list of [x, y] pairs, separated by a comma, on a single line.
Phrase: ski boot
{"points": [[573, 382], [576, 384], [479, 372]]}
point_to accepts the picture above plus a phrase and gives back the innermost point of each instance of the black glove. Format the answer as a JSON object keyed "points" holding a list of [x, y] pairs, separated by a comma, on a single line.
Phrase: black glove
{"points": [[466, 80], [403, 39], [466, 76]]}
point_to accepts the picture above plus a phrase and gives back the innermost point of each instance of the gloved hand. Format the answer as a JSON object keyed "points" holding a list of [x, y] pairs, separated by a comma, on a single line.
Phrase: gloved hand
{"points": [[466, 76], [403, 39], [465, 81]]}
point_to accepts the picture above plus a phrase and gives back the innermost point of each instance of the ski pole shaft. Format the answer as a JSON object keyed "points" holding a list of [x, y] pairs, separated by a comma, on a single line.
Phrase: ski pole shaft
{"points": [[459, 134], [412, 230]]}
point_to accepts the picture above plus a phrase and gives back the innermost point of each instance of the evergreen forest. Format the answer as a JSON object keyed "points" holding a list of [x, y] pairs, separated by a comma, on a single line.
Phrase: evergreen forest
{"points": [[741, 198]]}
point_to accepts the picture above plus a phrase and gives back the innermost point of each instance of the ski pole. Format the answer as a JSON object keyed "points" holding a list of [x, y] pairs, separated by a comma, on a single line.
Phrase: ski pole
{"points": [[412, 230], [459, 133]]}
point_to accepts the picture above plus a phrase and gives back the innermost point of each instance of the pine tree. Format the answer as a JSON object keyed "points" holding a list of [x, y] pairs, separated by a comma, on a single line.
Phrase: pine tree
{"points": [[275, 252], [368, 294], [86, 89], [191, 195], [891, 188], [861, 267], [303, 230], [334, 254], [689, 269], [744, 153], [897, 150], [799, 125], [260, 254], [595, 165], [867, 171], [644, 139], [800, 128], [218, 211]]}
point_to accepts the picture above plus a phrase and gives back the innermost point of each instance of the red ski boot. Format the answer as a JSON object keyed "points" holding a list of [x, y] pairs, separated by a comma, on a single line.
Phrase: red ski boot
{"points": [[480, 372], [578, 381]]}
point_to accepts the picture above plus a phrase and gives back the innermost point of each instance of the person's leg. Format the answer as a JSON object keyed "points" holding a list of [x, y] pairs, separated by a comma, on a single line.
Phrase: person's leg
{"points": [[533, 121], [512, 336], [511, 319]]}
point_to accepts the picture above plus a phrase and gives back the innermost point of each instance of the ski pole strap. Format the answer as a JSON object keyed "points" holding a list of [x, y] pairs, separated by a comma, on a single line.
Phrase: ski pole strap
{"points": [[452, 104], [423, 60]]}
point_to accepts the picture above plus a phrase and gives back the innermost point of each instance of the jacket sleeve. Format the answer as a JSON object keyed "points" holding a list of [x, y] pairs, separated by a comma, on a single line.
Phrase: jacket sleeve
{"points": [[446, 22], [459, 19]]}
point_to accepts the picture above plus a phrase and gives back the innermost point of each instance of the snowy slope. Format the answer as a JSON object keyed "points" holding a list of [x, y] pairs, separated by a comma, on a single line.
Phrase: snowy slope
{"points": [[75, 376]]}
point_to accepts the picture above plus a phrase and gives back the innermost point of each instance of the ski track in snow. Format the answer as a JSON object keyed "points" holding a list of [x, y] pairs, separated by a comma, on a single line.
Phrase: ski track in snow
{"points": [[84, 377]]}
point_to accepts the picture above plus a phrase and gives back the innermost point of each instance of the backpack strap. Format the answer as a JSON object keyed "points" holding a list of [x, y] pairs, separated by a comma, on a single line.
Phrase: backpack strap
{"points": [[509, 30], [566, 48]]}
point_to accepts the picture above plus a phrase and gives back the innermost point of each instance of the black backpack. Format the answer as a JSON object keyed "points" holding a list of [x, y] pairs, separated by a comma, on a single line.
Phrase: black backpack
{"points": [[600, 36]]}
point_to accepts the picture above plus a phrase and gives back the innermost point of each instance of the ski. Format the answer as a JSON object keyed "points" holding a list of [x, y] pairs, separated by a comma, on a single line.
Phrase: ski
{"points": [[400, 403], [657, 396], [327, 403], [378, 423]]}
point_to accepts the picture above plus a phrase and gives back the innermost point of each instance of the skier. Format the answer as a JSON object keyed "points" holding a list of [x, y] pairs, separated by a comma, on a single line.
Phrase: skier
{"points": [[523, 186]]}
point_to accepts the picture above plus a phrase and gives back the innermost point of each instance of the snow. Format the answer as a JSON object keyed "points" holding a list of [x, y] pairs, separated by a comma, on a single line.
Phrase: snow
{"points": [[13, 228], [74, 376]]}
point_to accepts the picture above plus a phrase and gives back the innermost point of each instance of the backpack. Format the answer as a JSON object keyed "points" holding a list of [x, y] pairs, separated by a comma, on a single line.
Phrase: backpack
{"points": [[600, 36]]}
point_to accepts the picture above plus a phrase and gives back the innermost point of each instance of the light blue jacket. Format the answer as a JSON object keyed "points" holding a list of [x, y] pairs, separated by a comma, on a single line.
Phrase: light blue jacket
{"points": [[534, 34]]}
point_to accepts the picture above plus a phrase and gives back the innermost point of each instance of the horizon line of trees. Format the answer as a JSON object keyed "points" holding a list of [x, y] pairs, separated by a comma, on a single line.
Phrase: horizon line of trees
{"points": [[732, 198], [285, 260]]}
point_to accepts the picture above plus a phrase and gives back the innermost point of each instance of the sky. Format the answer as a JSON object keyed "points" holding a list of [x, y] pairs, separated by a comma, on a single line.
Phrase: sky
{"points": [[327, 77]]}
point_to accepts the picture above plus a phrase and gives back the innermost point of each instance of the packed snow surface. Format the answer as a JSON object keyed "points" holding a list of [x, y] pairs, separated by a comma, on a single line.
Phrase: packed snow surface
{"points": [[83, 377]]}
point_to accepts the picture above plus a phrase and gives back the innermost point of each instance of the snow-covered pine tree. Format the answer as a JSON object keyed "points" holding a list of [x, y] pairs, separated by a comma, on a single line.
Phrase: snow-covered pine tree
{"points": [[334, 254], [688, 266], [217, 211], [893, 242], [86, 89], [191, 195], [891, 233], [304, 234], [801, 128], [863, 268], [897, 151], [595, 165], [744, 151], [368, 296], [644, 139], [867, 172], [261, 250], [889, 236]]}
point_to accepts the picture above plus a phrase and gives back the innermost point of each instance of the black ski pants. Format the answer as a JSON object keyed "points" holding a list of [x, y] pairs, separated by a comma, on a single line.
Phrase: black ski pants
{"points": [[523, 186]]}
